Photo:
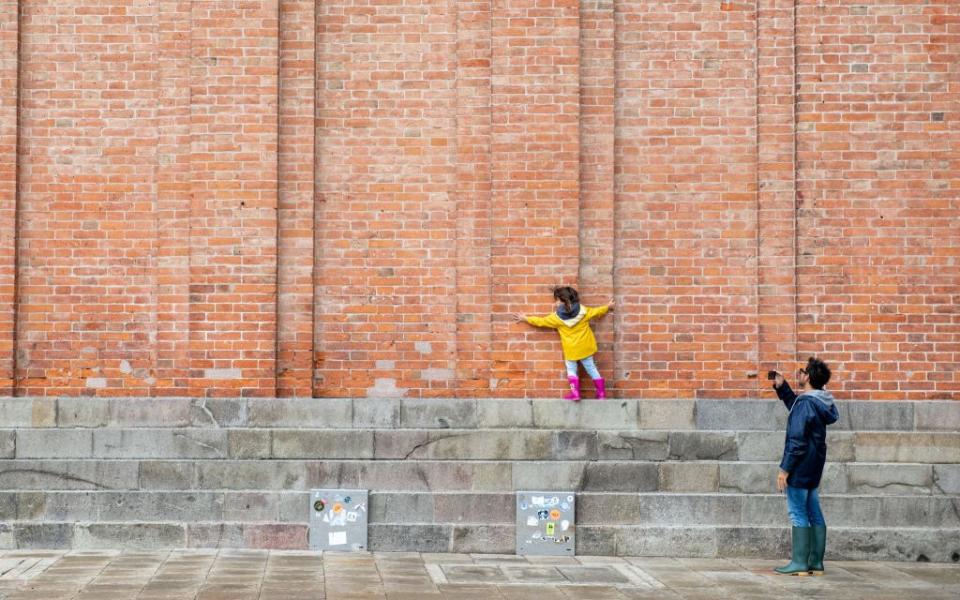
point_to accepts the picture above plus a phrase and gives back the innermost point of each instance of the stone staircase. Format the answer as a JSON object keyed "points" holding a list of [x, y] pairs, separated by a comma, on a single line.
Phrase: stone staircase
{"points": [[653, 477]]}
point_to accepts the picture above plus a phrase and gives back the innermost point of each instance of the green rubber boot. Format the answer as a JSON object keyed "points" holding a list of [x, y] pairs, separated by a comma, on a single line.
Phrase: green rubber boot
{"points": [[818, 545], [801, 554]]}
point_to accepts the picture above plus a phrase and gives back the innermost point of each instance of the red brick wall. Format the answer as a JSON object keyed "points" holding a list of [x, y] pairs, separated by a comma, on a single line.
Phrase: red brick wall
{"points": [[289, 197]]}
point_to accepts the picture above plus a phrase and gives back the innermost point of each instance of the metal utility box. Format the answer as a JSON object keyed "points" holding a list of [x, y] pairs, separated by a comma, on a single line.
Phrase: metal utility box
{"points": [[338, 520], [546, 523]]}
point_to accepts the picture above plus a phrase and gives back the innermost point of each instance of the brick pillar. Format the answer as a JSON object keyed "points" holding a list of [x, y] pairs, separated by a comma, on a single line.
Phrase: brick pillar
{"points": [[473, 194], [597, 122], [9, 46], [173, 199], [296, 200], [233, 250], [536, 145], [776, 173]]}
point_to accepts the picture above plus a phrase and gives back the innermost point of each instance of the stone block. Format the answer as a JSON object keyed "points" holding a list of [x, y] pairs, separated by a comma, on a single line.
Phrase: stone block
{"points": [[67, 475], [607, 509], [553, 475], [167, 475], [667, 414], [760, 445], [16, 412], [946, 479], [31, 505], [335, 413], [249, 443], [401, 507], [442, 413], [875, 416], [376, 413], [69, 506], [764, 510], [889, 479], [250, 506], [747, 478], [851, 511], [275, 536], [740, 415], [54, 443], [44, 535], [633, 445], [574, 445], [149, 412], [495, 413], [911, 511], [596, 540], [840, 446], [160, 506], [160, 443], [250, 475], [129, 536], [561, 414], [488, 444], [306, 443], [214, 535], [218, 412], [293, 507], [43, 412], [696, 542], [384, 537], [436, 476], [745, 542], [83, 412], [621, 477], [689, 509], [332, 474], [907, 447], [398, 444], [483, 538], [475, 508], [703, 445], [909, 544], [689, 477], [937, 415], [8, 443]]}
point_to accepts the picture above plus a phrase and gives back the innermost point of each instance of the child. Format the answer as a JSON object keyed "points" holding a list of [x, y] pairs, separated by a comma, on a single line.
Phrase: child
{"points": [[572, 322], [804, 454]]}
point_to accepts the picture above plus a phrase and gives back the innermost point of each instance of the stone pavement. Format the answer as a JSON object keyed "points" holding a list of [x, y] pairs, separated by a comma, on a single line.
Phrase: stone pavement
{"points": [[294, 575]]}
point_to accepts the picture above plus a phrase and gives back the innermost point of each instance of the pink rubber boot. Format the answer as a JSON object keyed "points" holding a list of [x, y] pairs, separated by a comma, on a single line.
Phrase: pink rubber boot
{"points": [[601, 388], [574, 393]]}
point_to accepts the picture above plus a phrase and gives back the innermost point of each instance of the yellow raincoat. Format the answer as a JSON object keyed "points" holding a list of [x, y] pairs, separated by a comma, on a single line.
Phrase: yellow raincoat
{"points": [[576, 337]]}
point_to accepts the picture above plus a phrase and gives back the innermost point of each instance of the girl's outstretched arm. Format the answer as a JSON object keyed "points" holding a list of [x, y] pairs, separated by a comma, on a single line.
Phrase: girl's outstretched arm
{"points": [[535, 321]]}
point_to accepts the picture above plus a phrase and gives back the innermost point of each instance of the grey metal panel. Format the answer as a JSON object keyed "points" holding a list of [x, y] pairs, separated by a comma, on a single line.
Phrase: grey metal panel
{"points": [[546, 523], [338, 520]]}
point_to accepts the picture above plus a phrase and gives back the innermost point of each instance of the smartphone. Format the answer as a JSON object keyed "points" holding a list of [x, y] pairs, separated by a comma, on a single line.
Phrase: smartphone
{"points": [[771, 375]]}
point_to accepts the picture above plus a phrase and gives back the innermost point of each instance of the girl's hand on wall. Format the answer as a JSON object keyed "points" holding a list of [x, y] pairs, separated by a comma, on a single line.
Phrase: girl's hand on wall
{"points": [[518, 317], [610, 305]]}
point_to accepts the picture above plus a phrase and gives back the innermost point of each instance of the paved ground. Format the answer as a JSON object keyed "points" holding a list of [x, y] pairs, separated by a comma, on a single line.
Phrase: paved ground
{"points": [[261, 575]]}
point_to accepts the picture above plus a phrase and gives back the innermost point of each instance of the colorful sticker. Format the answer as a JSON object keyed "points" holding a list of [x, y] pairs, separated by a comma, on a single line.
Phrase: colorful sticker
{"points": [[543, 515], [523, 505], [347, 500], [337, 538], [352, 517], [564, 525], [532, 521], [554, 501], [337, 507], [550, 529], [537, 501], [569, 498], [565, 506], [555, 515]]}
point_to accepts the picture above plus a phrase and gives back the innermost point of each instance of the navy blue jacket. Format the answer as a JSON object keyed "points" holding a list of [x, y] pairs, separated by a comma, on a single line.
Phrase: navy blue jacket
{"points": [[805, 448]]}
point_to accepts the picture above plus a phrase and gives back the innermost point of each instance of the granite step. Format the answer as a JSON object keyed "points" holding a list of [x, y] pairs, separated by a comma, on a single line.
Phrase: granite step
{"points": [[762, 414], [497, 508], [465, 444], [695, 541], [468, 476]]}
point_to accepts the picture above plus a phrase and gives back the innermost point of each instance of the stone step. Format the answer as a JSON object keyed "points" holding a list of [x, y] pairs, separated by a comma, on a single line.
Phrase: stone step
{"points": [[654, 509], [478, 476], [461, 413], [466, 444], [698, 541]]}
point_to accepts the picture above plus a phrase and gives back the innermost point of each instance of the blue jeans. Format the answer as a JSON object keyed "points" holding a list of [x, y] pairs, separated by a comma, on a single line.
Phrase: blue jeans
{"points": [[588, 365], [804, 507]]}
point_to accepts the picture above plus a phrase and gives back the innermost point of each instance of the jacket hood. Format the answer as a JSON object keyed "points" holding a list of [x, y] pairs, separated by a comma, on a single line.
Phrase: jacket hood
{"points": [[573, 316], [824, 404]]}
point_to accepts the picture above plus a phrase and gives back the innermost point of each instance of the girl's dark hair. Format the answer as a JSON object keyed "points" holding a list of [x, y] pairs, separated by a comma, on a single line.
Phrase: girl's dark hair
{"points": [[567, 295], [818, 373]]}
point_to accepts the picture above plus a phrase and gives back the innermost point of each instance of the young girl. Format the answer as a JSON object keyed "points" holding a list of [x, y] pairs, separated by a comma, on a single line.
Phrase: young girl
{"points": [[572, 322]]}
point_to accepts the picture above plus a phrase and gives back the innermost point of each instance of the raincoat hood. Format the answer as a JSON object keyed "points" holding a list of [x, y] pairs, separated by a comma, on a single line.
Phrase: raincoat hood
{"points": [[824, 404]]}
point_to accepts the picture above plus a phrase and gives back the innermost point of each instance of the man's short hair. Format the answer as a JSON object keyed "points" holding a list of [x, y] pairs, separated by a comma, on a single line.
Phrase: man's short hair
{"points": [[818, 373]]}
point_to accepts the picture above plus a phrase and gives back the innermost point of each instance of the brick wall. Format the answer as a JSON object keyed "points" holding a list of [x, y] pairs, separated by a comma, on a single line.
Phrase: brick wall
{"points": [[288, 197]]}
